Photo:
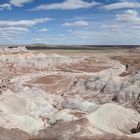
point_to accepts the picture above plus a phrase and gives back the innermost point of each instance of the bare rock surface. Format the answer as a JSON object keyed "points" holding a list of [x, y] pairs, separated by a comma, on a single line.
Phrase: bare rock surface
{"points": [[69, 97], [13, 134]]}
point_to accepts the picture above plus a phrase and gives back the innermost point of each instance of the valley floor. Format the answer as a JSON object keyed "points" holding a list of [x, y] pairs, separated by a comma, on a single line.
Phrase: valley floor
{"points": [[69, 95]]}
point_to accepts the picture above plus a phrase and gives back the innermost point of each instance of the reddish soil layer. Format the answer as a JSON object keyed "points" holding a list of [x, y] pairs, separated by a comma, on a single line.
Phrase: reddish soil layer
{"points": [[54, 82], [49, 79], [13, 134], [88, 65], [132, 60]]}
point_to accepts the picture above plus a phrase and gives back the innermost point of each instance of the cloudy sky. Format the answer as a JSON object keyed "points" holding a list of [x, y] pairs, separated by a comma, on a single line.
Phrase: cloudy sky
{"points": [[70, 21]]}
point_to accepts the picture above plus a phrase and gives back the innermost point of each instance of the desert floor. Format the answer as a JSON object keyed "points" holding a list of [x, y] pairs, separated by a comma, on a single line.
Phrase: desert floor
{"points": [[69, 94]]}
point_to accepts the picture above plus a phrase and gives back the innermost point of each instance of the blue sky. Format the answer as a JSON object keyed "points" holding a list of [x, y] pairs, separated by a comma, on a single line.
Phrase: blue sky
{"points": [[97, 22]]}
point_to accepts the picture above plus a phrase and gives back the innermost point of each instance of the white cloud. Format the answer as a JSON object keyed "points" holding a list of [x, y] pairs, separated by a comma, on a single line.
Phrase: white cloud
{"points": [[10, 33], [69, 30], [136, 27], [19, 3], [77, 23], [130, 16], [67, 5], [113, 27], [84, 37], [43, 30], [84, 34], [122, 5], [22, 23], [61, 35], [18, 28], [13, 29], [5, 6], [38, 39]]}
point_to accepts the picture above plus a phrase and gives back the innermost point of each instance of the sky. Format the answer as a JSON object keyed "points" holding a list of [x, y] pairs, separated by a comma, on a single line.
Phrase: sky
{"points": [[70, 22]]}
